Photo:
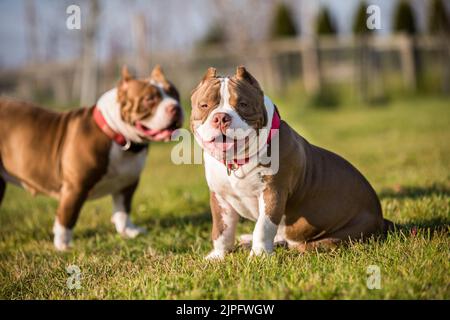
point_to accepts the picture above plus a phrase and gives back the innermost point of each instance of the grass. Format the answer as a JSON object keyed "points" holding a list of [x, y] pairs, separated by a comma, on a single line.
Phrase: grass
{"points": [[402, 148]]}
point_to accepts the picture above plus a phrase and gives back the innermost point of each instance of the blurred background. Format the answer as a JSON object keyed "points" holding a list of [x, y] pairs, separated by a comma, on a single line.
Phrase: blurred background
{"points": [[321, 49]]}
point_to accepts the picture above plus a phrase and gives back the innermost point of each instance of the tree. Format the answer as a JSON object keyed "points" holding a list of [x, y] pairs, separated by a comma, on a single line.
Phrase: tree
{"points": [[404, 20], [360, 22], [438, 19], [215, 35], [324, 23], [283, 24]]}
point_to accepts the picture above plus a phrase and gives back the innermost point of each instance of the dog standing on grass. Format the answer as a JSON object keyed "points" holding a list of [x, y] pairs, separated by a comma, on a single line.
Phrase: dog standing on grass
{"points": [[313, 198], [88, 153]]}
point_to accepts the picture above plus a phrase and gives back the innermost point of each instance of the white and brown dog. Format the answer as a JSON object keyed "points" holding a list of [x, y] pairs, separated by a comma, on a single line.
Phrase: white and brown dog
{"points": [[312, 198], [88, 153]]}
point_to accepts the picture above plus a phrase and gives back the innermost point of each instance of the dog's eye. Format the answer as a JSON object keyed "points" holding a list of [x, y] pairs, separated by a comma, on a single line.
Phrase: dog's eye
{"points": [[203, 106], [243, 104]]}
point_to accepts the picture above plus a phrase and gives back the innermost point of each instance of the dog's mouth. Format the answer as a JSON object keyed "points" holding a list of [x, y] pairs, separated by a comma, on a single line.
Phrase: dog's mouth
{"points": [[223, 143], [156, 134]]}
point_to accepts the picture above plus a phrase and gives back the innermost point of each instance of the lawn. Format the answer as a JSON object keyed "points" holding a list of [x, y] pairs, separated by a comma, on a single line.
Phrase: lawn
{"points": [[402, 148]]}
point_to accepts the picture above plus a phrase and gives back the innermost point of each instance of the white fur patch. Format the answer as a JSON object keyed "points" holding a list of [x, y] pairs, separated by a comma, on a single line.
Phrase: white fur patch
{"points": [[124, 226], [123, 170], [225, 242], [62, 236], [264, 232], [110, 109]]}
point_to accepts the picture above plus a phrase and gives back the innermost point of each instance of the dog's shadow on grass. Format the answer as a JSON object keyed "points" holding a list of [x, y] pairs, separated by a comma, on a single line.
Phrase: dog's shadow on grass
{"points": [[414, 192], [199, 219], [436, 224], [433, 226], [169, 220]]}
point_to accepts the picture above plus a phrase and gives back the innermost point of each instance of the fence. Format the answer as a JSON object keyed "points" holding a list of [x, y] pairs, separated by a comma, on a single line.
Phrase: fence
{"points": [[363, 63]]}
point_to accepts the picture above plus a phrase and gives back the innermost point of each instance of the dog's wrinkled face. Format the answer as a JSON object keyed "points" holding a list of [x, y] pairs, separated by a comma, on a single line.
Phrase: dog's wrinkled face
{"points": [[227, 112], [150, 105]]}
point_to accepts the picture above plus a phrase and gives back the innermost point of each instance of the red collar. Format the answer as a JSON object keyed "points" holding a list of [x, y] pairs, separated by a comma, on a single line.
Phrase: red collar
{"points": [[113, 135], [276, 122]]}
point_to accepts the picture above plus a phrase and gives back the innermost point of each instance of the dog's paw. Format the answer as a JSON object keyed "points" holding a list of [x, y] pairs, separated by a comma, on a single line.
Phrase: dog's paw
{"points": [[261, 251], [216, 255], [62, 237], [132, 231], [245, 240], [125, 227], [62, 246]]}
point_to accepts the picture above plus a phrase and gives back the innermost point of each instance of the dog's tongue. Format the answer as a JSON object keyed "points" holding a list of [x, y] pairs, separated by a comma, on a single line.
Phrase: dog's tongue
{"points": [[154, 134]]}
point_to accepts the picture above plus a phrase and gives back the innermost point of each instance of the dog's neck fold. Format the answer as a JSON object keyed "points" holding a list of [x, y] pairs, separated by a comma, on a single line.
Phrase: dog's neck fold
{"points": [[110, 109]]}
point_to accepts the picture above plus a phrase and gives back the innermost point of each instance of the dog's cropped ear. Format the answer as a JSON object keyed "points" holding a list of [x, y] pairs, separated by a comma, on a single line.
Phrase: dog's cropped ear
{"points": [[243, 74], [126, 76], [158, 75], [210, 73], [123, 85]]}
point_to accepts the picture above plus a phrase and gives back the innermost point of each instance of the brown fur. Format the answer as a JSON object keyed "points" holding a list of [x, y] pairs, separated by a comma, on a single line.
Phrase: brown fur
{"points": [[64, 155], [58, 154], [216, 211]]}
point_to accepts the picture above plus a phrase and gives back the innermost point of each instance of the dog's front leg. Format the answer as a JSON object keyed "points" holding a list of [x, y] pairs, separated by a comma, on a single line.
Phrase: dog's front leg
{"points": [[70, 203], [269, 207], [121, 215], [223, 233]]}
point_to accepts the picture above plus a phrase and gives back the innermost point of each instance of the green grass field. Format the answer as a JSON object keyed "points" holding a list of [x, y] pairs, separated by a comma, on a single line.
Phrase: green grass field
{"points": [[402, 148]]}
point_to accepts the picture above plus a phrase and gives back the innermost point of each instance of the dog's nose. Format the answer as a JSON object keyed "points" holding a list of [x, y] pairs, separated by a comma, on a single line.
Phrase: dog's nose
{"points": [[173, 110], [221, 121]]}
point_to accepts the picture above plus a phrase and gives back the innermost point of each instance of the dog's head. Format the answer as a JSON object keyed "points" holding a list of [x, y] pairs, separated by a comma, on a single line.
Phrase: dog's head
{"points": [[227, 112], [150, 105]]}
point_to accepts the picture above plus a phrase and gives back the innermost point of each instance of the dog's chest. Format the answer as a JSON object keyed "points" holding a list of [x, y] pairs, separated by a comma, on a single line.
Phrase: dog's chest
{"points": [[123, 170], [241, 191]]}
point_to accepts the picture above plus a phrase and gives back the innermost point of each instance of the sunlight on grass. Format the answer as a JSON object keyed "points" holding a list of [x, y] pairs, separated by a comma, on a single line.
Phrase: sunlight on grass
{"points": [[402, 148]]}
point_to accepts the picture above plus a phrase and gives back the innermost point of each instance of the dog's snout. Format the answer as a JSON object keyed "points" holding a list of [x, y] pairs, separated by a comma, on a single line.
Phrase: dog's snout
{"points": [[221, 121], [173, 109], [175, 113]]}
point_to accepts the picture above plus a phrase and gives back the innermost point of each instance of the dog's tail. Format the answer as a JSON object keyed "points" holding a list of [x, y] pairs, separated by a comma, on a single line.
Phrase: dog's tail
{"points": [[388, 226]]}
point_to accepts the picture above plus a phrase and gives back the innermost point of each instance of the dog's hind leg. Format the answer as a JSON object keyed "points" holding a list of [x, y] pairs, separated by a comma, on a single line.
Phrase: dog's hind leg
{"points": [[245, 240], [326, 244]]}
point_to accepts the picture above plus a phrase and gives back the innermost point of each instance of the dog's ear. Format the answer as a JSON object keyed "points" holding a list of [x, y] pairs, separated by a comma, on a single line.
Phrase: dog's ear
{"points": [[210, 73], [126, 76], [122, 87], [158, 75], [243, 74]]}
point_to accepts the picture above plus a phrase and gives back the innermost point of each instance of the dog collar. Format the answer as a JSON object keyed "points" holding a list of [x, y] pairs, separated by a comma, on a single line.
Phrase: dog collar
{"points": [[236, 163], [118, 138]]}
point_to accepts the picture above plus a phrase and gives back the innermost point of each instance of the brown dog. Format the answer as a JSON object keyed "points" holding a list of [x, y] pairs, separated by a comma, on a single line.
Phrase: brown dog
{"points": [[310, 198], [90, 152]]}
